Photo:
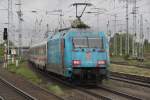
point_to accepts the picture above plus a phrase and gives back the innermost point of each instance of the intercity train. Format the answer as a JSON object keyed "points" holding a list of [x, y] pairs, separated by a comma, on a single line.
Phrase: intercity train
{"points": [[76, 54]]}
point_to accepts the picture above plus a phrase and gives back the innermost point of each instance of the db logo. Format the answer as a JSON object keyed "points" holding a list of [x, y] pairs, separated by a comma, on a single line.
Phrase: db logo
{"points": [[88, 55]]}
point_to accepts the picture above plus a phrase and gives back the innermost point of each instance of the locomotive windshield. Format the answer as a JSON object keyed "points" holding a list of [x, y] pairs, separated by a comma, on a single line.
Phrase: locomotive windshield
{"points": [[80, 42], [87, 42]]}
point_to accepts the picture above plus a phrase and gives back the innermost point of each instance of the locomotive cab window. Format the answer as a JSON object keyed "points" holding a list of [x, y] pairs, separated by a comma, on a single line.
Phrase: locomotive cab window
{"points": [[88, 42], [95, 43], [80, 42]]}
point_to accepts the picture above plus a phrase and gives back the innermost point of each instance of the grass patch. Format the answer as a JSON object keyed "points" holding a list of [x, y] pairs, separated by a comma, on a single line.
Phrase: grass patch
{"points": [[1, 51], [145, 63], [55, 88], [27, 73], [130, 70], [121, 59], [24, 71]]}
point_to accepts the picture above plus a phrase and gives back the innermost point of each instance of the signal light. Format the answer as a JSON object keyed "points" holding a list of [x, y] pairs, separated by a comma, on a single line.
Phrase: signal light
{"points": [[101, 62], [5, 35], [76, 62]]}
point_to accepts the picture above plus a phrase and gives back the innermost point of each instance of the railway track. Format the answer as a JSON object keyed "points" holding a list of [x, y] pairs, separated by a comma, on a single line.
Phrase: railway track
{"points": [[138, 80], [99, 89], [17, 93], [130, 81], [112, 94], [103, 88], [88, 96], [136, 65], [119, 93], [90, 92], [1, 98], [82, 93]]}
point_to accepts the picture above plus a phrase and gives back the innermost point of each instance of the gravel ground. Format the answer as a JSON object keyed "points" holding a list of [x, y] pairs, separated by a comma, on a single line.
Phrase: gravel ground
{"points": [[67, 92], [108, 94], [9, 94], [135, 90], [70, 93], [133, 70], [26, 86]]}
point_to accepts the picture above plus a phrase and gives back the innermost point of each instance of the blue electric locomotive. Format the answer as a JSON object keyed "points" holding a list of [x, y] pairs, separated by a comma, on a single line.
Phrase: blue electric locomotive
{"points": [[78, 54]]}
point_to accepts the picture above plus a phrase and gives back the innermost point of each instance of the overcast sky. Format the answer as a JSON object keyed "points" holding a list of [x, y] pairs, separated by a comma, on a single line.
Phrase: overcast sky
{"points": [[41, 19]]}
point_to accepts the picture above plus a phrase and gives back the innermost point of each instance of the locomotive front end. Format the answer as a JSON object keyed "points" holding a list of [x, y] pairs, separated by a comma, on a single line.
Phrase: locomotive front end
{"points": [[90, 58]]}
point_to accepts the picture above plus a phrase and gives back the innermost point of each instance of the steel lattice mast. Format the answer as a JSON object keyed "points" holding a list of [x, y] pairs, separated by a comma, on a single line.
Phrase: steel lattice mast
{"points": [[127, 28], [19, 27]]}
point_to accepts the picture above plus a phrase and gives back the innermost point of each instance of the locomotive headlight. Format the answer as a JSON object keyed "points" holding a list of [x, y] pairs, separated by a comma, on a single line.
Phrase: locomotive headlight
{"points": [[76, 62], [101, 62]]}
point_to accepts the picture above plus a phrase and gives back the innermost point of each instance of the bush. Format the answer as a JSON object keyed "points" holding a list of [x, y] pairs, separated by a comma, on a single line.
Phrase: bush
{"points": [[126, 57]]}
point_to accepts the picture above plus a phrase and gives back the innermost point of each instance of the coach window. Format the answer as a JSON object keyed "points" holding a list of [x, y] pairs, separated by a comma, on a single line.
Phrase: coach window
{"points": [[40, 53], [34, 51], [37, 51], [44, 50]]}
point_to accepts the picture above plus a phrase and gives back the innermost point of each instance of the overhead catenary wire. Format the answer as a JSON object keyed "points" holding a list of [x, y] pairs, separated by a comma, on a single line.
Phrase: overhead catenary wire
{"points": [[114, 10]]}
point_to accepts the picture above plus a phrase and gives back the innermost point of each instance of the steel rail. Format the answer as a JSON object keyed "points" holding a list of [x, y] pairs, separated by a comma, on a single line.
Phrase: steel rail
{"points": [[142, 79], [119, 93], [21, 92], [135, 65], [79, 89], [130, 81], [50, 75], [1, 98]]}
